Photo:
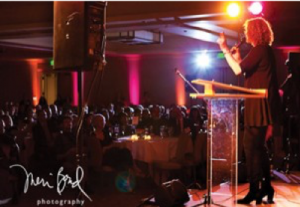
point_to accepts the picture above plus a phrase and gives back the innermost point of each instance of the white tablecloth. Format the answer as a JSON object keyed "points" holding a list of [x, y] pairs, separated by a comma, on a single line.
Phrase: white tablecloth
{"points": [[156, 149]]}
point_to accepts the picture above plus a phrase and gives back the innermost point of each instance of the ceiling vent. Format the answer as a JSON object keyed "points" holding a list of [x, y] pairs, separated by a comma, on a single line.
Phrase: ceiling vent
{"points": [[136, 37]]}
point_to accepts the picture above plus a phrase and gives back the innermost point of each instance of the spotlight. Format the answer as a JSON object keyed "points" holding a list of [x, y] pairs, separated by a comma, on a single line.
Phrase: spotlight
{"points": [[233, 9], [203, 60], [255, 8]]}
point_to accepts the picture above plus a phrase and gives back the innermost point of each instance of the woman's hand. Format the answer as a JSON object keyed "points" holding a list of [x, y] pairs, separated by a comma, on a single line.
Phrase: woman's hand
{"points": [[232, 60], [223, 43], [235, 51]]}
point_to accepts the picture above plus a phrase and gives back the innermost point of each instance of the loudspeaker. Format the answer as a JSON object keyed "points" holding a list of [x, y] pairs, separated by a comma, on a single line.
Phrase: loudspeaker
{"points": [[172, 193], [78, 34]]}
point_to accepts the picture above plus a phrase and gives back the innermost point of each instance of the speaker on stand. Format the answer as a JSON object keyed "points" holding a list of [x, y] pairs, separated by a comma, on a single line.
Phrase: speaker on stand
{"points": [[79, 45]]}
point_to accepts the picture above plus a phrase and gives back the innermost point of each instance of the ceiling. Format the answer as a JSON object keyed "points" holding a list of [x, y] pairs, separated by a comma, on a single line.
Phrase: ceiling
{"points": [[186, 26]]}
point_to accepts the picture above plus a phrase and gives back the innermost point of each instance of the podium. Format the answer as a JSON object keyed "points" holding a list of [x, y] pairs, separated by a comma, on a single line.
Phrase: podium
{"points": [[222, 138]]}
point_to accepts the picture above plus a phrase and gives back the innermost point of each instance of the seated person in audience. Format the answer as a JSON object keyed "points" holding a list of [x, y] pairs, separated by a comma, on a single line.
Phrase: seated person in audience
{"points": [[8, 122], [12, 111], [99, 122], [119, 159], [184, 110], [87, 126], [9, 155], [20, 133], [43, 142], [43, 102], [137, 114], [21, 111], [164, 114], [30, 116], [125, 128], [115, 117], [48, 112], [92, 109], [107, 116], [6, 177], [66, 149], [156, 121], [130, 113], [65, 145], [52, 121], [195, 122], [176, 121], [111, 109], [145, 122], [10, 128], [54, 110], [2, 127], [75, 119], [14, 151]]}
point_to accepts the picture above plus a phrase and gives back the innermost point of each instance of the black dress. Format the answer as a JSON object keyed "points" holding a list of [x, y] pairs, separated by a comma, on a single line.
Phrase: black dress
{"points": [[259, 69]]}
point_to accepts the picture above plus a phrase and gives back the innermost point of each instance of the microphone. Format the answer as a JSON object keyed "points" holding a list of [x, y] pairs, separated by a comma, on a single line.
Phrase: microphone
{"points": [[242, 41]]}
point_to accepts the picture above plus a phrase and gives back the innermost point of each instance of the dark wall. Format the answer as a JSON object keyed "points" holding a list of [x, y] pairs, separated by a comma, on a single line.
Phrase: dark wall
{"points": [[65, 85], [114, 82], [15, 81], [282, 72]]}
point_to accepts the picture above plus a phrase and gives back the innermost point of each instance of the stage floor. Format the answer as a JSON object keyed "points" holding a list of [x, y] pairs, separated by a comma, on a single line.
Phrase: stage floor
{"points": [[287, 194], [286, 186]]}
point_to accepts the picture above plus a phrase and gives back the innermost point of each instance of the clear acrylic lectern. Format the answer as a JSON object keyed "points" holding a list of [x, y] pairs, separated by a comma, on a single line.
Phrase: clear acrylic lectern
{"points": [[222, 139]]}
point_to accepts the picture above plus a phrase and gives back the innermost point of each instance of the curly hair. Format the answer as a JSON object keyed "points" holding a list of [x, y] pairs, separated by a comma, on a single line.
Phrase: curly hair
{"points": [[258, 31]]}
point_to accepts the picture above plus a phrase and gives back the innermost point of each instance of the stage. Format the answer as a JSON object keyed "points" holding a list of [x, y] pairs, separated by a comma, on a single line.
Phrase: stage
{"points": [[286, 186]]}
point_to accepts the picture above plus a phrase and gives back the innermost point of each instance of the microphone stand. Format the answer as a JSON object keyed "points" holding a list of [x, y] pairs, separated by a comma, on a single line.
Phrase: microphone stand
{"points": [[185, 80], [207, 200]]}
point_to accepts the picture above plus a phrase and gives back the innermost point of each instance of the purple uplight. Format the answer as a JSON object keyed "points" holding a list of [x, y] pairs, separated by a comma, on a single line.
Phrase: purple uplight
{"points": [[133, 78]]}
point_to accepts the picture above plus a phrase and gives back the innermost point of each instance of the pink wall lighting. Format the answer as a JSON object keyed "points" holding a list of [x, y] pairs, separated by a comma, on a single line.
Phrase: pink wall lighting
{"points": [[75, 87], [133, 78]]}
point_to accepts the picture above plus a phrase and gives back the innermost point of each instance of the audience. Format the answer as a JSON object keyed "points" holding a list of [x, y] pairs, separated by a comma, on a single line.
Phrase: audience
{"points": [[43, 138]]}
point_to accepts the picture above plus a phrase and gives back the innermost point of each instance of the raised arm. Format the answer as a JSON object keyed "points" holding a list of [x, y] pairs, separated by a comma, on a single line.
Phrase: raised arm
{"points": [[232, 56]]}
